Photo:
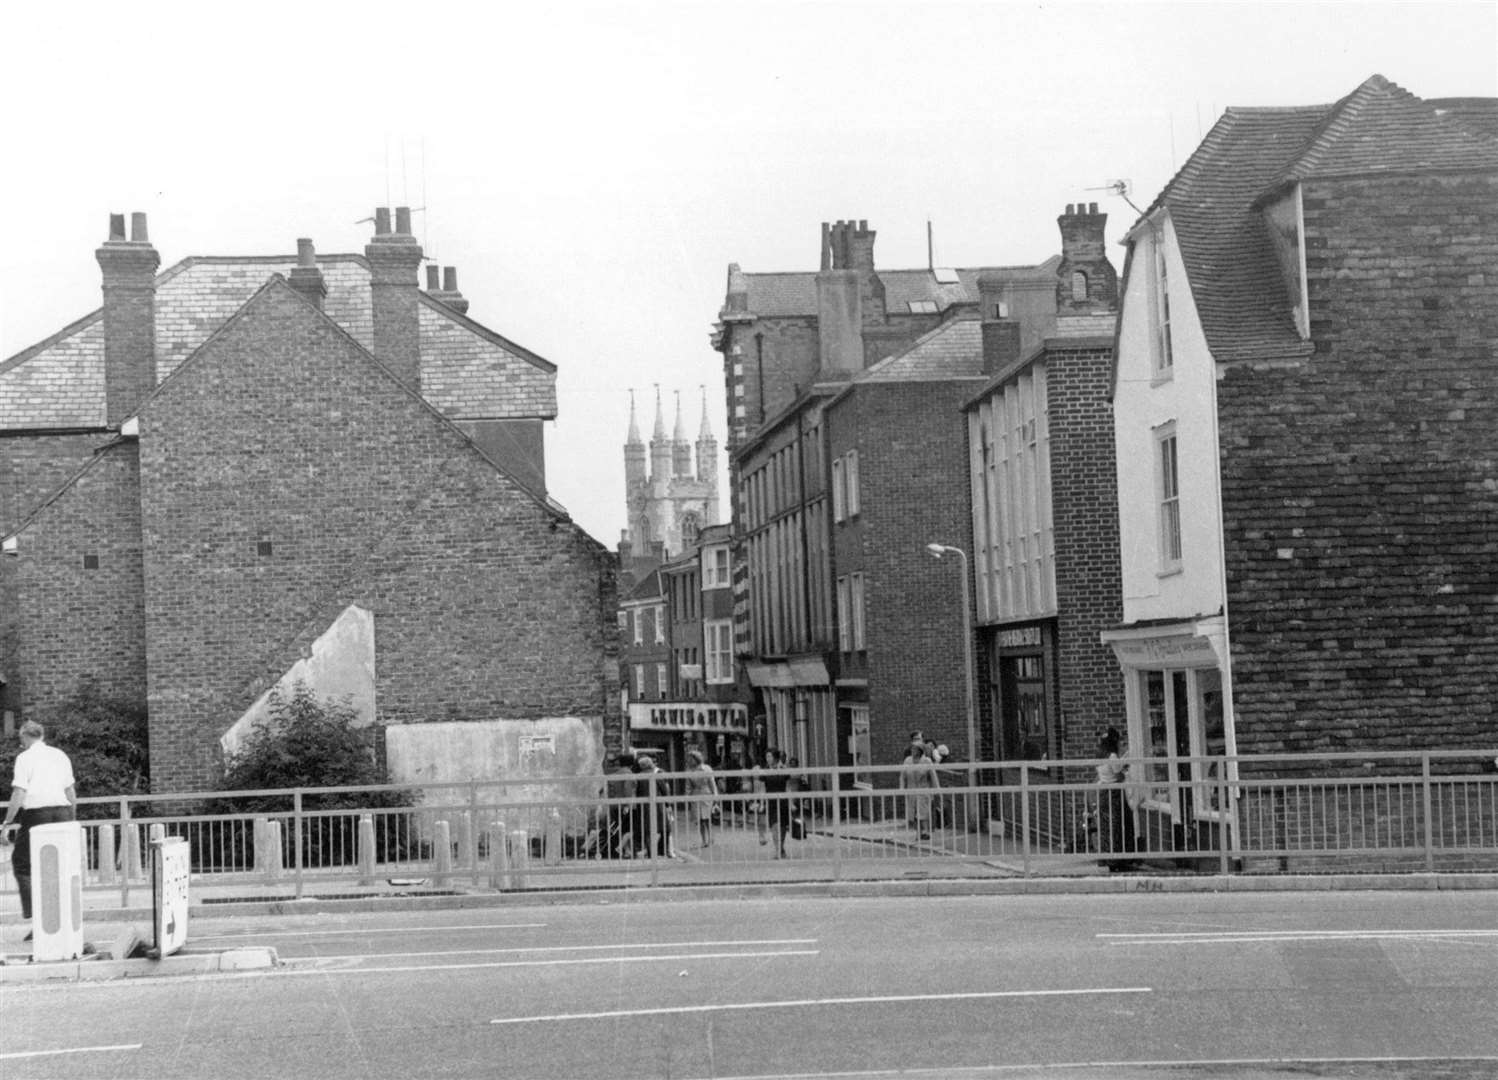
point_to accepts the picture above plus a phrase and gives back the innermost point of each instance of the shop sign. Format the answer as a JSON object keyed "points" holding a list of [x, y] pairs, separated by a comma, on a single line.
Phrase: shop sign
{"points": [[689, 716], [1024, 637], [1168, 651]]}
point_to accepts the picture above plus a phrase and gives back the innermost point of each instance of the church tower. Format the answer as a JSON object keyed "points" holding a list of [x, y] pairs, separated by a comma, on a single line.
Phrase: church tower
{"points": [[670, 504]]}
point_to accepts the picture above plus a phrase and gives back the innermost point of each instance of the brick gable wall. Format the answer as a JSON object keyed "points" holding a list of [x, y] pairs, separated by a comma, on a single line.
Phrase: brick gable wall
{"points": [[913, 490], [1084, 513], [282, 430], [1360, 489], [81, 622]]}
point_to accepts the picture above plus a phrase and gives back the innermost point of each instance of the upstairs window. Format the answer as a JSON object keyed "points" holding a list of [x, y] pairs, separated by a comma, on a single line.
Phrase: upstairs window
{"points": [[660, 623], [839, 505], [850, 478], [1164, 357], [1169, 487], [718, 637], [639, 617], [716, 569]]}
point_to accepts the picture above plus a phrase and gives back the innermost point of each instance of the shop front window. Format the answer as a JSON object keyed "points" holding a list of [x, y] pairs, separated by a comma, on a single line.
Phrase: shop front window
{"points": [[1181, 740]]}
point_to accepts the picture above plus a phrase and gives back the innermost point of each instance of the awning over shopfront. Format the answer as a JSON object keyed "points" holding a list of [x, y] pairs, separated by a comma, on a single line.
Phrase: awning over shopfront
{"points": [[770, 675], [786, 674], [1193, 643]]}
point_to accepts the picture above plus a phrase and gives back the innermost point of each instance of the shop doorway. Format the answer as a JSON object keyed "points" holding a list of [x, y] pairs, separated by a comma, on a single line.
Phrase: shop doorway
{"points": [[1023, 724]]}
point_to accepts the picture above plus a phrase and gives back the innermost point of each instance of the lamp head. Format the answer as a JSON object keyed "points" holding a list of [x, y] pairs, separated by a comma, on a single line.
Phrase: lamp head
{"points": [[936, 550]]}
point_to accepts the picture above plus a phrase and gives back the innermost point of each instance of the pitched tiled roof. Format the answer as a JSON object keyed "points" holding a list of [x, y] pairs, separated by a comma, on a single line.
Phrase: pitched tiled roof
{"points": [[1381, 127], [468, 371], [952, 350], [795, 293], [1251, 153]]}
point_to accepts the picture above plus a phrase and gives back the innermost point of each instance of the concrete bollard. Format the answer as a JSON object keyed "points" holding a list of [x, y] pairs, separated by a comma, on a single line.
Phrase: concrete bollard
{"points": [[131, 852], [499, 855], [366, 849], [106, 854], [551, 847], [468, 852], [520, 857], [442, 851]]}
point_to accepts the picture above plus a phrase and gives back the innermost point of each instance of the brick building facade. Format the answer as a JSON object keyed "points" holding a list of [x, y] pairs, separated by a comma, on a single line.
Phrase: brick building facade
{"points": [[244, 458]]}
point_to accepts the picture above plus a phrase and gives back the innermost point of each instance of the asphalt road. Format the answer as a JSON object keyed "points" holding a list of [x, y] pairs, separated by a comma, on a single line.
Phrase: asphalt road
{"points": [[1246, 985]]}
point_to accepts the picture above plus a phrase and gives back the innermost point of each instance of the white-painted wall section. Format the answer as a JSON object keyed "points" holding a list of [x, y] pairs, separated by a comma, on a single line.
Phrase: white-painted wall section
{"points": [[1143, 403]]}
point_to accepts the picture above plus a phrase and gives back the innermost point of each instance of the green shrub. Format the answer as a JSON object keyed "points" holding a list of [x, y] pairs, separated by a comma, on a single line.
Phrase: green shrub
{"points": [[105, 737]]}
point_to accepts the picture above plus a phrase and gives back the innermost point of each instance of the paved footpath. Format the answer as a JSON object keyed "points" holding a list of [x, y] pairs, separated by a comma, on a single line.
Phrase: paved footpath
{"points": [[737, 866]]}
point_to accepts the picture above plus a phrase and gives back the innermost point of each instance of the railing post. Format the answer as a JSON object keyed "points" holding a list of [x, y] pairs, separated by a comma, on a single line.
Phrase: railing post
{"points": [[1024, 816], [1228, 815], [468, 848], [366, 849], [296, 838], [837, 825], [551, 844], [1430, 850], [652, 813]]}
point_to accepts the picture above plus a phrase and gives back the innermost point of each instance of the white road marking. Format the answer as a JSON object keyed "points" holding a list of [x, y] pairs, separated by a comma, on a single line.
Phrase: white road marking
{"points": [[1240, 936], [70, 1050], [805, 1002], [317, 965], [375, 930], [572, 948]]}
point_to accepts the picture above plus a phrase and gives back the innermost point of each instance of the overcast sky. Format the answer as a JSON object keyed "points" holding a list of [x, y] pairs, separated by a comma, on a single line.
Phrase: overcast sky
{"points": [[592, 169]]}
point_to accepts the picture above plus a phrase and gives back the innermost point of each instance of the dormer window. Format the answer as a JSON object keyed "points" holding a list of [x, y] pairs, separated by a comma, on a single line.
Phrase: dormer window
{"points": [[1286, 221]]}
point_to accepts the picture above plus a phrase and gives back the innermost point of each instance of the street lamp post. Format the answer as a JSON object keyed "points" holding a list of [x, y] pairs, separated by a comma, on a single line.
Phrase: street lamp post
{"points": [[937, 551]]}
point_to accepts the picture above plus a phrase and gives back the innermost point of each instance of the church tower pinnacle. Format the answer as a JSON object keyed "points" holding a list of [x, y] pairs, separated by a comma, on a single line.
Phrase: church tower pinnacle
{"points": [[707, 453], [681, 448]]}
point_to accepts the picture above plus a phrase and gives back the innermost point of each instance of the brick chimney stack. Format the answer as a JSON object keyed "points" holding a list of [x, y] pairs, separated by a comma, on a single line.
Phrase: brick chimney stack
{"points": [[129, 282], [1086, 281], [447, 290], [1001, 336], [394, 259], [305, 277]]}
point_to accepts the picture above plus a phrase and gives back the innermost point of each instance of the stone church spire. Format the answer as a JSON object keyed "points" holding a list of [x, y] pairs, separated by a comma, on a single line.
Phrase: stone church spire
{"points": [[681, 448]]}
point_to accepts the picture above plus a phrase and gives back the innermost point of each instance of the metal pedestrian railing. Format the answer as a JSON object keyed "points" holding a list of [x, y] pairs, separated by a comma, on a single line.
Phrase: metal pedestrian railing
{"points": [[1386, 811]]}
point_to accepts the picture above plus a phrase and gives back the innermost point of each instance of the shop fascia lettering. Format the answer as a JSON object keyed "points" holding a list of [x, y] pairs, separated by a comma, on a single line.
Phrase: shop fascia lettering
{"points": [[688, 716]]}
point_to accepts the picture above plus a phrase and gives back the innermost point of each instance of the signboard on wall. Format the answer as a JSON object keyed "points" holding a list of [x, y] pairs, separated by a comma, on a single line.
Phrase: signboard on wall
{"points": [[1165, 652], [731, 719]]}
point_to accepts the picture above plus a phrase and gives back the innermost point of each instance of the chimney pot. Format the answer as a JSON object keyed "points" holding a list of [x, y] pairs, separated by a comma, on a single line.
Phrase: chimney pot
{"points": [[432, 273], [1092, 208], [1070, 209], [403, 220], [450, 279], [117, 226], [306, 255], [382, 220], [138, 228]]}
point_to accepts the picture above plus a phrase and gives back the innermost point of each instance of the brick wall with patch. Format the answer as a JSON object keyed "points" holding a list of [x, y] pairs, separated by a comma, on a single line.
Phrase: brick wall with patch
{"points": [[1360, 486], [285, 475]]}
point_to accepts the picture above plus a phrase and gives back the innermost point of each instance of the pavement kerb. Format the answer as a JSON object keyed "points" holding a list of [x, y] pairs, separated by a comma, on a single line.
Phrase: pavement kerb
{"points": [[18, 969]]}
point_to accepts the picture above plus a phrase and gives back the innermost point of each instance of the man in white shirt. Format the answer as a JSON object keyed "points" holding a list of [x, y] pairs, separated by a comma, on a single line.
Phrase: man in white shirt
{"points": [[41, 793]]}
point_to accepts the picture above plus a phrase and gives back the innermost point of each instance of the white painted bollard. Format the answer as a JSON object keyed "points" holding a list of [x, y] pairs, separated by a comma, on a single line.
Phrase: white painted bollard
{"points": [[267, 847], [442, 851], [551, 847], [56, 891], [468, 850], [366, 849], [520, 857]]}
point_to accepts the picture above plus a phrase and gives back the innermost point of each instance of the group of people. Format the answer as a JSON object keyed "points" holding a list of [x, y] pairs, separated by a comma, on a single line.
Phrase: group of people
{"points": [[918, 775], [643, 809], [1115, 808]]}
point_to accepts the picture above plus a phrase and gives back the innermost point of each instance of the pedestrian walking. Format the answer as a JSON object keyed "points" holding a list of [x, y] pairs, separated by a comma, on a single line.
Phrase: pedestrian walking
{"points": [[918, 776], [702, 796], [775, 781], [42, 792], [1115, 815]]}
